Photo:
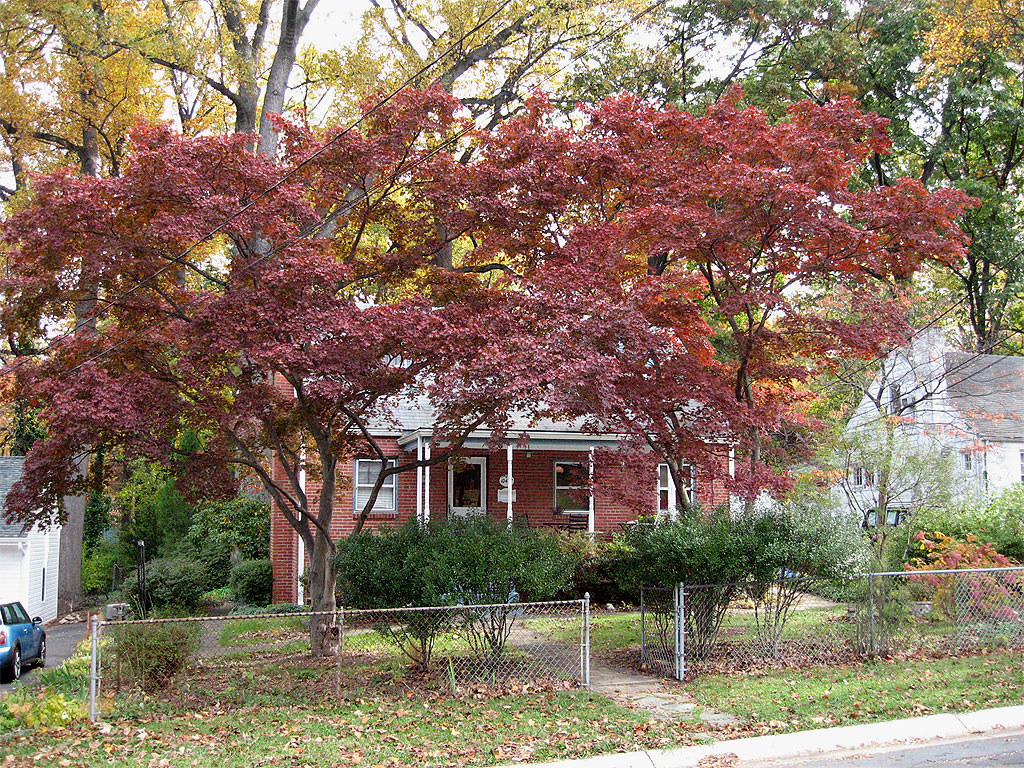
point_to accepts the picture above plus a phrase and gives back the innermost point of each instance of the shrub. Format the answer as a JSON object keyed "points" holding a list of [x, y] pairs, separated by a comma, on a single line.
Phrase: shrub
{"points": [[252, 581], [43, 709], [72, 676], [749, 552], [98, 567], [171, 583], [597, 572], [241, 525], [215, 555], [1000, 524], [451, 563], [150, 655]]}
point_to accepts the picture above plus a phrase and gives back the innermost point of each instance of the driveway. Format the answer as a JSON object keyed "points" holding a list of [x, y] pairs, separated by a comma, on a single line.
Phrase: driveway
{"points": [[61, 640]]}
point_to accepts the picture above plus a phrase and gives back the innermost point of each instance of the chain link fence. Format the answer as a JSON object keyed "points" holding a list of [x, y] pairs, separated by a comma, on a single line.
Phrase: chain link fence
{"points": [[659, 607], [803, 621], [225, 662]]}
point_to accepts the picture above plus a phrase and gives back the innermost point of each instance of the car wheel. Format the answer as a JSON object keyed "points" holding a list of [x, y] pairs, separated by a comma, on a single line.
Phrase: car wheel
{"points": [[12, 670], [41, 660]]}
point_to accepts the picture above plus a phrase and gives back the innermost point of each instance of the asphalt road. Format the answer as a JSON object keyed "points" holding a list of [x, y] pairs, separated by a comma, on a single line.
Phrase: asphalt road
{"points": [[993, 750], [61, 640]]}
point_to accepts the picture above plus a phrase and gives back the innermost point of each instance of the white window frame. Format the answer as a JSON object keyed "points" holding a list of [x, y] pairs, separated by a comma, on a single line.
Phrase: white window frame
{"points": [[671, 487], [968, 461], [585, 509], [389, 482], [478, 461]]}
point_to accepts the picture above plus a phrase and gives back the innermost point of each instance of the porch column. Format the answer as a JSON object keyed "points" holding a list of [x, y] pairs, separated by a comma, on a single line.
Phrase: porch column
{"points": [[590, 505], [426, 490], [509, 486], [419, 479]]}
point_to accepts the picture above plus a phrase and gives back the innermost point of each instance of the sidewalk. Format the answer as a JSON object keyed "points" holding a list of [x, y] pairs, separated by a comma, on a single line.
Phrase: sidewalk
{"points": [[806, 743]]}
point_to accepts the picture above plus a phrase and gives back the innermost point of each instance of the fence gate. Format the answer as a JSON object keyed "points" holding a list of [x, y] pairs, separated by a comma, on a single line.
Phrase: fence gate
{"points": [[663, 630]]}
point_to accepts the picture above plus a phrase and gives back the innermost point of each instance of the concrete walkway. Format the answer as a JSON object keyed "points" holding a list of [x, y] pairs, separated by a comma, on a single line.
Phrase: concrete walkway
{"points": [[645, 692]]}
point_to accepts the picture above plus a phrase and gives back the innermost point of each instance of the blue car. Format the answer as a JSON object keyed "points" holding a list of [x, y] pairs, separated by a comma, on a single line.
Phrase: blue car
{"points": [[22, 640]]}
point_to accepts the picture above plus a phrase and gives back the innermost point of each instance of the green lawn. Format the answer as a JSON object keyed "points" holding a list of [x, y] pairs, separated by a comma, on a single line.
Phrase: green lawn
{"points": [[237, 633], [288, 712], [438, 731], [608, 631], [817, 697]]}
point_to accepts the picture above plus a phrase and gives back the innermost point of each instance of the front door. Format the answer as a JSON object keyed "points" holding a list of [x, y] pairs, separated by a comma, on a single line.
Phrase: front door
{"points": [[467, 487]]}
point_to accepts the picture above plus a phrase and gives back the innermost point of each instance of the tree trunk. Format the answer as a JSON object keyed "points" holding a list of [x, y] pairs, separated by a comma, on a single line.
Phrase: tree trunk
{"points": [[293, 23], [321, 572], [321, 592], [69, 569]]}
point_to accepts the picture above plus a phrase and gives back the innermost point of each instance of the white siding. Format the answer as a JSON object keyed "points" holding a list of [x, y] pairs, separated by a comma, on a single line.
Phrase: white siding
{"points": [[1003, 465], [11, 567], [22, 573]]}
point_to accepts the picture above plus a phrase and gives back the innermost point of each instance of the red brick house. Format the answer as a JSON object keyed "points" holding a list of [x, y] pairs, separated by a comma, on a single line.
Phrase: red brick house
{"points": [[542, 480]]}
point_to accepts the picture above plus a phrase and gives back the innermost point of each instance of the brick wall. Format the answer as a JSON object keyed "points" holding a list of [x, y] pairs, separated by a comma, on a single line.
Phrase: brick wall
{"points": [[533, 475]]}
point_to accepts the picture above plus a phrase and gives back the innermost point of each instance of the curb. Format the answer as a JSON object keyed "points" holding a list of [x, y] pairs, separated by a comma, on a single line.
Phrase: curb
{"points": [[809, 743]]}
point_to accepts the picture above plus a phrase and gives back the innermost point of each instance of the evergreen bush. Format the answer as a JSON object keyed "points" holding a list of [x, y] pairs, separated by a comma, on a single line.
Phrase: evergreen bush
{"points": [[252, 581]]}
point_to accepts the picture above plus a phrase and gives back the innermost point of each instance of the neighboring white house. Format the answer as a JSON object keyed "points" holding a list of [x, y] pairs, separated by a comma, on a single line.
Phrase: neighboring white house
{"points": [[28, 559], [957, 425]]}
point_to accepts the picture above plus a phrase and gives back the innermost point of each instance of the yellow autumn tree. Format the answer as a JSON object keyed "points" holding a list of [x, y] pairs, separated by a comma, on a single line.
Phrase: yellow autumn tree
{"points": [[499, 49], [69, 96], [963, 29]]}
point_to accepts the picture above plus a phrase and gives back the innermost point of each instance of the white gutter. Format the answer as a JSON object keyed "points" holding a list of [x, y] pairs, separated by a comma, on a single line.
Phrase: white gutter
{"points": [[480, 434]]}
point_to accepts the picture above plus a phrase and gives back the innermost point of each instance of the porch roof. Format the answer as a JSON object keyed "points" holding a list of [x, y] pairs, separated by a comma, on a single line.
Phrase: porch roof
{"points": [[537, 439], [413, 417]]}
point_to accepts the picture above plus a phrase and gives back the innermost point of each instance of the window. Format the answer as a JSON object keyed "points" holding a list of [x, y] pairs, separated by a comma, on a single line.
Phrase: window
{"points": [[1022, 466], [666, 488], [899, 403], [366, 474], [861, 477], [572, 487], [893, 517], [894, 398], [968, 460]]}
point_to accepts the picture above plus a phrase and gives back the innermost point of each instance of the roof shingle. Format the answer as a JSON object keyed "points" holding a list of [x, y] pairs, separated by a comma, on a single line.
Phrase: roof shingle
{"points": [[988, 390]]}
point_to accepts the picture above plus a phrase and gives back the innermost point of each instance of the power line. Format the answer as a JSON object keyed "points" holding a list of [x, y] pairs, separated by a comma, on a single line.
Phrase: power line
{"points": [[179, 260], [317, 226]]}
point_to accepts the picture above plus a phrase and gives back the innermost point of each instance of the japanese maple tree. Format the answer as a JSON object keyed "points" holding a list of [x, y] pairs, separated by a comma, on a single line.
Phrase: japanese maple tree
{"points": [[289, 333], [635, 272], [693, 255]]}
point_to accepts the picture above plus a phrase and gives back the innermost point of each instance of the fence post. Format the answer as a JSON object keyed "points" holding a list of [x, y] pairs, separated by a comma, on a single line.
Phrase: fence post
{"points": [[680, 635], [337, 652], [94, 671], [957, 614], [643, 630], [586, 640], [872, 649]]}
